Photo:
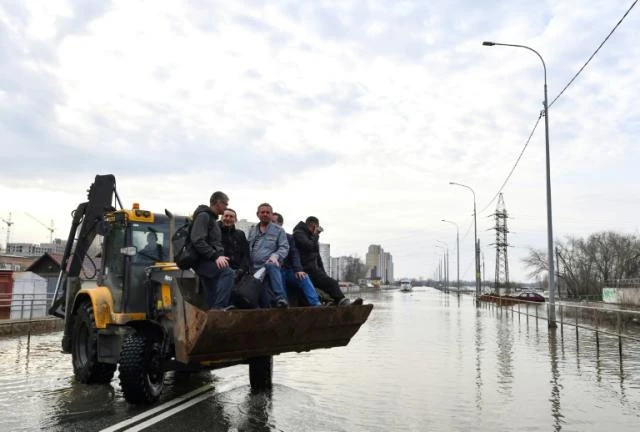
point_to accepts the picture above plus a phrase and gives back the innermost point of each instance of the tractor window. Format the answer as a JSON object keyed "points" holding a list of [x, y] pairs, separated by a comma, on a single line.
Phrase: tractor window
{"points": [[113, 264], [151, 242]]}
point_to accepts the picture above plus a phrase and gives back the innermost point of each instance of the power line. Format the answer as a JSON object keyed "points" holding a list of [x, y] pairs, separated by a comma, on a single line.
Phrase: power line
{"points": [[514, 165], [594, 53]]}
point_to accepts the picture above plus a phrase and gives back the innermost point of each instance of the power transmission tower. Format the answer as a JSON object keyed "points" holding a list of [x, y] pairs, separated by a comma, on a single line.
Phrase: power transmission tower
{"points": [[50, 228], [9, 223], [502, 258]]}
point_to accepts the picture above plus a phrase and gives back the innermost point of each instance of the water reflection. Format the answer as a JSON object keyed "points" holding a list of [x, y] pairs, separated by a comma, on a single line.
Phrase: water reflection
{"points": [[505, 356], [555, 384], [478, 350]]}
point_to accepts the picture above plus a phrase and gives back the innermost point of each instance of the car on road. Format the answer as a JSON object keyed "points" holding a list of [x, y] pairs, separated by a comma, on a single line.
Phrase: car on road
{"points": [[531, 296]]}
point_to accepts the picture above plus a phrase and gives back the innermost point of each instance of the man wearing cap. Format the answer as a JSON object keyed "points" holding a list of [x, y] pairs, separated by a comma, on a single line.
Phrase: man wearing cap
{"points": [[307, 236]]}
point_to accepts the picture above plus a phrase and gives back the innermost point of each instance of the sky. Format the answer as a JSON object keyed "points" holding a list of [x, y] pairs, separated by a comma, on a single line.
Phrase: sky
{"points": [[357, 112]]}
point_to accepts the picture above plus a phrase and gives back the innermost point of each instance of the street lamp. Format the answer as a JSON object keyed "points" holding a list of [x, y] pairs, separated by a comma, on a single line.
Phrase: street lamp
{"points": [[476, 249], [552, 306], [445, 252], [457, 249]]}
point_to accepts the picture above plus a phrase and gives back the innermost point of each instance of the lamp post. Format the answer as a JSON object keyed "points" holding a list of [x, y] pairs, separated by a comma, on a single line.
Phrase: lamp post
{"points": [[445, 253], [552, 306], [476, 249], [457, 249]]}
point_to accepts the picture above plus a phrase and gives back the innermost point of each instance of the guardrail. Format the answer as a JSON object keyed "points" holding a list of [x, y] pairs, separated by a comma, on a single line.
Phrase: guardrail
{"points": [[24, 306], [611, 321], [623, 283]]}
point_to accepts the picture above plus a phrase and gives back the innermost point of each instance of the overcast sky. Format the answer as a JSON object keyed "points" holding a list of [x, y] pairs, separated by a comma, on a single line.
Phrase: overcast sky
{"points": [[357, 112]]}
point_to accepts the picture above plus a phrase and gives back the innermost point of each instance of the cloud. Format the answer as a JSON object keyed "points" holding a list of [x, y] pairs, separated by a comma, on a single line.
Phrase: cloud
{"points": [[358, 112]]}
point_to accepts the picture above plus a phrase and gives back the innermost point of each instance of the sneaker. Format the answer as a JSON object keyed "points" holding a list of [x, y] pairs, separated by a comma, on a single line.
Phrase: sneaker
{"points": [[344, 302], [230, 307], [282, 304], [357, 302]]}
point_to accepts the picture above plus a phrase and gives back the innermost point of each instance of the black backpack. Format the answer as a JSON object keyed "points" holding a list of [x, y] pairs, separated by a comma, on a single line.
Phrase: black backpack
{"points": [[184, 254]]}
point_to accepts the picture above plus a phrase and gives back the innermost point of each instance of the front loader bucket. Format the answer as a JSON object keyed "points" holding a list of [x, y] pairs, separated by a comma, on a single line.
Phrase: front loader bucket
{"points": [[219, 336]]}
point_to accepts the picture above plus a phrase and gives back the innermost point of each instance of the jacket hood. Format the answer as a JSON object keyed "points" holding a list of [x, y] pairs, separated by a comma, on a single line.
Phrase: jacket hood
{"points": [[204, 208], [302, 227]]}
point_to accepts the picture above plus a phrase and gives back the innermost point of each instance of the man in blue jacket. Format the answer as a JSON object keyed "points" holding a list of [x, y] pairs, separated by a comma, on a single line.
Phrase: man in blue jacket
{"points": [[292, 272], [269, 247]]}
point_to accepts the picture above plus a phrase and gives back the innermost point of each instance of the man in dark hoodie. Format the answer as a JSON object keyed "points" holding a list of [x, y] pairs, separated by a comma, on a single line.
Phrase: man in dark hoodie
{"points": [[236, 246], [292, 271], [307, 235], [212, 266]]}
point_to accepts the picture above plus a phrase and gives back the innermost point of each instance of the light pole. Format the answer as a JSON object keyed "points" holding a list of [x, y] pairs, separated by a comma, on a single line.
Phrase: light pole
{"points": [[552, 305], [476, 250], [457, 249], [445, 253]]}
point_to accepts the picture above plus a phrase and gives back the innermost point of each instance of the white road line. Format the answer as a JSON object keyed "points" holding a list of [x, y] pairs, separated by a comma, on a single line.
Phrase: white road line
{"points": [[159, 408], [169, 413]]}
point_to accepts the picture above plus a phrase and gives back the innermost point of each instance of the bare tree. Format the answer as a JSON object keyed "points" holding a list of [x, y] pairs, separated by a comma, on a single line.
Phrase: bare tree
{"points": [[585, 265], [354, 270]]}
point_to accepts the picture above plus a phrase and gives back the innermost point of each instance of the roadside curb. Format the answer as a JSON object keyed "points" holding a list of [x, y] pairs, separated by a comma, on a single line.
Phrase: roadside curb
{"points": [[26, 326]]}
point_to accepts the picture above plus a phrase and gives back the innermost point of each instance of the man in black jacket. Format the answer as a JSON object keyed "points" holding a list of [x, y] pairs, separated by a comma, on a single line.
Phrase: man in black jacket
{"points": [[236, 246], [212, 266], [306, 235], [292, 272]]}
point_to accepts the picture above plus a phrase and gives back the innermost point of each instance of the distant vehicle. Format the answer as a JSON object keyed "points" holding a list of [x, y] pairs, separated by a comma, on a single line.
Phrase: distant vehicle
{"points": [[405, 286], [531, 296]]}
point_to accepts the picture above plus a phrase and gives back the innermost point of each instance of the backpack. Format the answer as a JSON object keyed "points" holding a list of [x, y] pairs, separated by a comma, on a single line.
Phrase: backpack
{"points": [[184, 254]]}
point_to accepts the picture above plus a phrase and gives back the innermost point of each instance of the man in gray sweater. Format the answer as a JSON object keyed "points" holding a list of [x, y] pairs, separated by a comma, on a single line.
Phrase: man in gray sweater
{"points": [[269, 247]]}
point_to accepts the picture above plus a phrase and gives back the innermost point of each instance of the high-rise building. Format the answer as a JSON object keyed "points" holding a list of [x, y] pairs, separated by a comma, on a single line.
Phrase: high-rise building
{"points": [[244, 225], [325, 255], [373, 261], [388, 268], [335, 268]]}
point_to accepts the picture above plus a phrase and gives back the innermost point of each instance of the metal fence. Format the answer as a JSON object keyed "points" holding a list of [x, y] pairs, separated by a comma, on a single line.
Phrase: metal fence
{"points": [[608, 320], [24, 306], [623, 283]]}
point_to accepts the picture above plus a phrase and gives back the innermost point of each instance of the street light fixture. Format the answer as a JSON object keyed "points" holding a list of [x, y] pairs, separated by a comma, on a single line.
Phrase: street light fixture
{"points": [[457, 249], [476, 249], [552, 307]]}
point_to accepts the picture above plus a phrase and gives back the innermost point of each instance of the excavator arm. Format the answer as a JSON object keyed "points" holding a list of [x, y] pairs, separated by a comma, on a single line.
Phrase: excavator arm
{"points": [[86, 220]]}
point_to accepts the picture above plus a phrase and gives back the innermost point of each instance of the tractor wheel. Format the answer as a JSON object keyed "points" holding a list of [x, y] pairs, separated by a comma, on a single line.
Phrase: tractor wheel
{"points": [[261, 373], [141, 373], [84, 349]]}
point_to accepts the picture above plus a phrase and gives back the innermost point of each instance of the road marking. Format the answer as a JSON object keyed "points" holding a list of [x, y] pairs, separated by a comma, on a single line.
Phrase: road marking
{"points": [[144, 415], [169, 413]]}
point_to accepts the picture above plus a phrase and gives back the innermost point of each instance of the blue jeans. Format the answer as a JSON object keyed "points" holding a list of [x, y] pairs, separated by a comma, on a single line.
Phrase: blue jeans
{"points": [[274, 286], [304, 285], [217, 283]]}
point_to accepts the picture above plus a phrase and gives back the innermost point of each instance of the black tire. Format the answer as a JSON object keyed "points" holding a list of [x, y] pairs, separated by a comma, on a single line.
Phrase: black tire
{"points": [[141, 373], [84, 349], [261, 373]]}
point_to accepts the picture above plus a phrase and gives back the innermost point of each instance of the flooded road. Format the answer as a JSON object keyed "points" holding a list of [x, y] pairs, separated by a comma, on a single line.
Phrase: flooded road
{"points": [[424, 361]]}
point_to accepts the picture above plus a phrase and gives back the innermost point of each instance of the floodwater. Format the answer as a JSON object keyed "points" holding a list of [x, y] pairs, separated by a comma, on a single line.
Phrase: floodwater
{"points": [[424, 361]]}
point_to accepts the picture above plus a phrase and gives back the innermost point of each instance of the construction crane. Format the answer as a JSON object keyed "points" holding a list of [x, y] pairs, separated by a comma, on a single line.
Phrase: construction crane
{"points": [[9, 223], [50, 228]]}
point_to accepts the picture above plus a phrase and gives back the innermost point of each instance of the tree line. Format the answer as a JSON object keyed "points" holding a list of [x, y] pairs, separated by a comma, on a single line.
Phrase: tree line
{"points": [[583, 265]]}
